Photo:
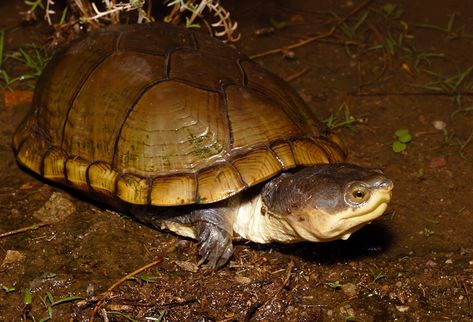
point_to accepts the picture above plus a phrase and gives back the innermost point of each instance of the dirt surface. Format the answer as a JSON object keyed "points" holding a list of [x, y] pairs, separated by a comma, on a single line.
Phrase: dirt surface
{"points": [[413, 264]]}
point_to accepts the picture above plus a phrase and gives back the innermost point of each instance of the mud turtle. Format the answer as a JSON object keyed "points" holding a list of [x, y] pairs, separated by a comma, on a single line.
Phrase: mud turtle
{"points": [[190, 135]]}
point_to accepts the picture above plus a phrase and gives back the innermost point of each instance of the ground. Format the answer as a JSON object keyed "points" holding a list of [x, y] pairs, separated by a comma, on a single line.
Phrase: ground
{"points": [[389, 66]]}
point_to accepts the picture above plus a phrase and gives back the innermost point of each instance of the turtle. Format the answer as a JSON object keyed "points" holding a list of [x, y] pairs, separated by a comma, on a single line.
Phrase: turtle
{"points": [[188, 134]]}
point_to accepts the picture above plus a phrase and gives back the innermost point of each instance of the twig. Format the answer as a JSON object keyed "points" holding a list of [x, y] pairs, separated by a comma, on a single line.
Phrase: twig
{"points": [[25, 229], [123, 279], [290, 266], [314, 38], [297, 74]]}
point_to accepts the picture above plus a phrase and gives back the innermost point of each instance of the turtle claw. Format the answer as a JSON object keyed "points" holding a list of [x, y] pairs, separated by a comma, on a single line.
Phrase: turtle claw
{"points": [[215, 246]]}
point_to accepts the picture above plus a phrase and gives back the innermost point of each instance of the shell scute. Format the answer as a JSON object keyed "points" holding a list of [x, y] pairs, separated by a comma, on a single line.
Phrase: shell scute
{"points": [[158, 41], [204, 70]]}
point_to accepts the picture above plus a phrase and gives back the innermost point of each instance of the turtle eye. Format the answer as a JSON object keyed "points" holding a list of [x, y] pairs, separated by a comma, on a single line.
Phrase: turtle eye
{"points": [[357, 194]]}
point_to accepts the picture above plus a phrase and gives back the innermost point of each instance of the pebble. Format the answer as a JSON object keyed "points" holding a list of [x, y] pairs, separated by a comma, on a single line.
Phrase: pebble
{"points": [[12, 257], [350, 289], [402, 308], [449, 261], [242, 279], [439, 125], [187, 266], [56, 209], [347, 310]]}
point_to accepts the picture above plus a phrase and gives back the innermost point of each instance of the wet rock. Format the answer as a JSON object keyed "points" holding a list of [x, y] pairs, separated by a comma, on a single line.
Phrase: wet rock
{"points": [[56, 209], [187, 266], [12, 257]]}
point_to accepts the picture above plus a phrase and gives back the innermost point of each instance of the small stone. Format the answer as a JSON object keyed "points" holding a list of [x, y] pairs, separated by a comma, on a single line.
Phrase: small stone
{"points": [[439, 125], [12, 257], [242, 279], [350, 289], [187, 266], [431, 263], [290, 309], [56, 209], [90, 290], [402, 308], [289, 54], [470, 262], [449, 261], [27, 185], [347, 310]]}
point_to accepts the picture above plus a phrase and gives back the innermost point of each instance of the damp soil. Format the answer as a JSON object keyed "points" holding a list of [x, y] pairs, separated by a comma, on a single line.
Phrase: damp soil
{"points": [[415, 263]]}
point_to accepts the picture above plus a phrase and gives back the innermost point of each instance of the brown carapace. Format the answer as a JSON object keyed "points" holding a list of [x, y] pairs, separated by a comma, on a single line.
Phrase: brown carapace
{"points": [[159, 115]]}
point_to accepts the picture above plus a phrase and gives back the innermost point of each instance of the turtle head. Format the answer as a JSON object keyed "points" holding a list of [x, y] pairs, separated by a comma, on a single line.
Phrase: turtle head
{"points": [[327, 202]]}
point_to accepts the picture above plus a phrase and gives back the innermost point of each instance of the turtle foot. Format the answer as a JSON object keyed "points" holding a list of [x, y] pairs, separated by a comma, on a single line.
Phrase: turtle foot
{"points": [[215, 245]]}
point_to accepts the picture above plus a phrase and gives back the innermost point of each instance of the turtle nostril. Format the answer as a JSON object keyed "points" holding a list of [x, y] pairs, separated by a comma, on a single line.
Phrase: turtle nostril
{"points": [[386, 184]]}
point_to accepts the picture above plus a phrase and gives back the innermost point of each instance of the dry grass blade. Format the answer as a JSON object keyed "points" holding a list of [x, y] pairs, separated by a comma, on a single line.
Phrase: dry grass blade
{"points": [[315, 38], [123, 279]]}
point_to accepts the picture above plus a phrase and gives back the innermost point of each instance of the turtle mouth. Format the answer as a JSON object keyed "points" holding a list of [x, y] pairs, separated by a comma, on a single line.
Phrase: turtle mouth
{"points": [[375, 210], [354, 223], [370, 215]]}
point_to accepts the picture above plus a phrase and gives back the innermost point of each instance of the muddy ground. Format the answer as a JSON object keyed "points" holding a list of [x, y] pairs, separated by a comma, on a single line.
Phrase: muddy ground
{"points": [[389, 70]]}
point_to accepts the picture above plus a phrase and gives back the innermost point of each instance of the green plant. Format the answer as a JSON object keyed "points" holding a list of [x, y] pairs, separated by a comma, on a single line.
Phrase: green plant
{"points": [[8, 289], [377, 276], [428, 232], [343, 118], [31, 58], [448, 29], [402, 139], [334, 285]]}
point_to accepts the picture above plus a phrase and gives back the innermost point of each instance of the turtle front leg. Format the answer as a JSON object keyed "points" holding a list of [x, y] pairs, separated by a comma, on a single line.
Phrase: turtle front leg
{"points": [[214, 230], [212, 227]]}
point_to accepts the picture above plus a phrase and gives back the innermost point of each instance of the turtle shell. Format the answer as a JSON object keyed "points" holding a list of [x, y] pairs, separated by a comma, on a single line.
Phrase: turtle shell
{"points": [[160, 115]]}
